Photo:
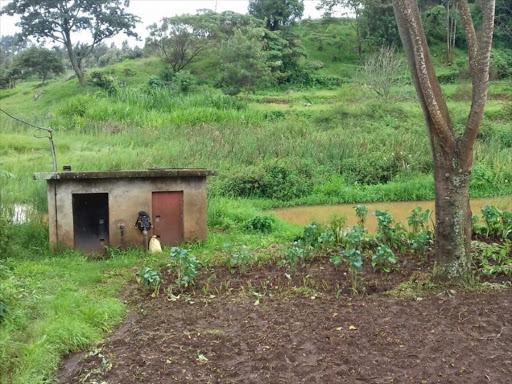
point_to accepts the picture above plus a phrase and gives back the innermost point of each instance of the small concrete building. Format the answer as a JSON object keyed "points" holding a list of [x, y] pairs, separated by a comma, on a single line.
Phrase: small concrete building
{"points": [[91, 210]]}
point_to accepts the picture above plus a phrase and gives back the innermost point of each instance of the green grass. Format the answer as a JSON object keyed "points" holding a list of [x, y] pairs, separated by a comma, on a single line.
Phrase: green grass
{"points": [[59, 303], [64, 302]]}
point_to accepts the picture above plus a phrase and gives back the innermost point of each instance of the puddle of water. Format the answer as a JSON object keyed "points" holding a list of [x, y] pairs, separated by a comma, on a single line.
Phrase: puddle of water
{"points": [[20, 213], [399, 210]]}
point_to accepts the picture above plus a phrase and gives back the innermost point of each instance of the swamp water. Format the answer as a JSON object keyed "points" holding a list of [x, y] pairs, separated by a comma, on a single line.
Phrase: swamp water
{"points": [[399, 210]]}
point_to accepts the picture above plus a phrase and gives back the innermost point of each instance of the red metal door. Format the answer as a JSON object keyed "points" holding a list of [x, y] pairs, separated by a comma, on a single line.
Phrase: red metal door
{"points": [[168, 217]]}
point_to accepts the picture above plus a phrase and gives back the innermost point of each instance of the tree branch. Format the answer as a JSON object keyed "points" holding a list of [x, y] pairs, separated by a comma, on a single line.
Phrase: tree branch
{"points": [[479, 58], [427, 84]]}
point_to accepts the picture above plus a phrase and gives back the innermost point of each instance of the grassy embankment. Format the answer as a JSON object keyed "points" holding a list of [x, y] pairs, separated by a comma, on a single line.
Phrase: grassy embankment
{"points": [[285, 147]]}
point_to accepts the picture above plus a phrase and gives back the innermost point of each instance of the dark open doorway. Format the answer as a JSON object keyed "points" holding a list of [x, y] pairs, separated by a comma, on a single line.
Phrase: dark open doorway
{"points": [[90, 222]]}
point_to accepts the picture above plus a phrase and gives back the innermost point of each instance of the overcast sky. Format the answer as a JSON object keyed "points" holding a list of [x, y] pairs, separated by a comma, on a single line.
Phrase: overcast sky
{"points": [[151, 11]]}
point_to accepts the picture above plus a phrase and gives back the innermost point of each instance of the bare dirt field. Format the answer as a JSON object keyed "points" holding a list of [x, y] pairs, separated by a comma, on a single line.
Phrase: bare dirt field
{"points": [[266, 327]]}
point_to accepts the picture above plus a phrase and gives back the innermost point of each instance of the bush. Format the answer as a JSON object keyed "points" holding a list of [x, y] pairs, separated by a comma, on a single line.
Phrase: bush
{"points": [[260, 223], [275, 180], [448, 78], [104, 81], [501, 63], [372, 168]]}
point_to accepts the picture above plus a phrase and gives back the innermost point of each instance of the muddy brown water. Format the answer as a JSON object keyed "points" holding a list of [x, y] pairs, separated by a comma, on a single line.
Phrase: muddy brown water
{"points": [[399, 210]]}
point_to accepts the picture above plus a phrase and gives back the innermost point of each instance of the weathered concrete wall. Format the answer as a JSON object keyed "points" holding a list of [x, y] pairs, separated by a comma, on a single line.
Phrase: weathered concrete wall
{"points": [[126, 198]]}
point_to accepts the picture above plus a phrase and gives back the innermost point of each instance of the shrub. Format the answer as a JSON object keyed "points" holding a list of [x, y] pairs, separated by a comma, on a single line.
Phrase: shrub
{"points": [[372, 168], [448, 78], [260, 223], [275, 180], [104, 81], [501, 63]]}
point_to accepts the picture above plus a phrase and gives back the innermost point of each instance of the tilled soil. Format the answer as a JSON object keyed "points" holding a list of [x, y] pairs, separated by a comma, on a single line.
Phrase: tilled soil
{"points": [[261, 327]]}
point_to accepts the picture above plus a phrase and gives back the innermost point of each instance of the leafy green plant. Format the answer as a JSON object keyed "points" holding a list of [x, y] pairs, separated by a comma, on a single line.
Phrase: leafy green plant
{"points": [[418, 219], [242, 259], [387, 232], [421, 240], [327, 238], [420, 236], [295, 255], [491, 216], [311, 234], [184, 266], [354, 238], [361, 213], [260, 223], [336, 225], [150, 278], [493, 259], [354, 261], [383, 258]]}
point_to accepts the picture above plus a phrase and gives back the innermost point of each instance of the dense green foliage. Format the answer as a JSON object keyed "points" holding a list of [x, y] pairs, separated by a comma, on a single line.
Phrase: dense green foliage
{"points": [[277, 13]]}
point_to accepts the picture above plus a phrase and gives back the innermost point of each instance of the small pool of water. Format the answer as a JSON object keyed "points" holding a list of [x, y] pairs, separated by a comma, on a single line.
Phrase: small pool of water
{"points": [[399, 210]]}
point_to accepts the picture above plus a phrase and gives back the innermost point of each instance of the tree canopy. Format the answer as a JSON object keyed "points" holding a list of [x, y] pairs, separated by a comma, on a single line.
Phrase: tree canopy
{"points": [[277, 13], [60, 20]]}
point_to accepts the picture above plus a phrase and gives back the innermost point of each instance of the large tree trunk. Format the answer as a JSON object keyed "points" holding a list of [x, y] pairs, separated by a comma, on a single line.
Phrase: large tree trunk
{"points": [[453, 222]]}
